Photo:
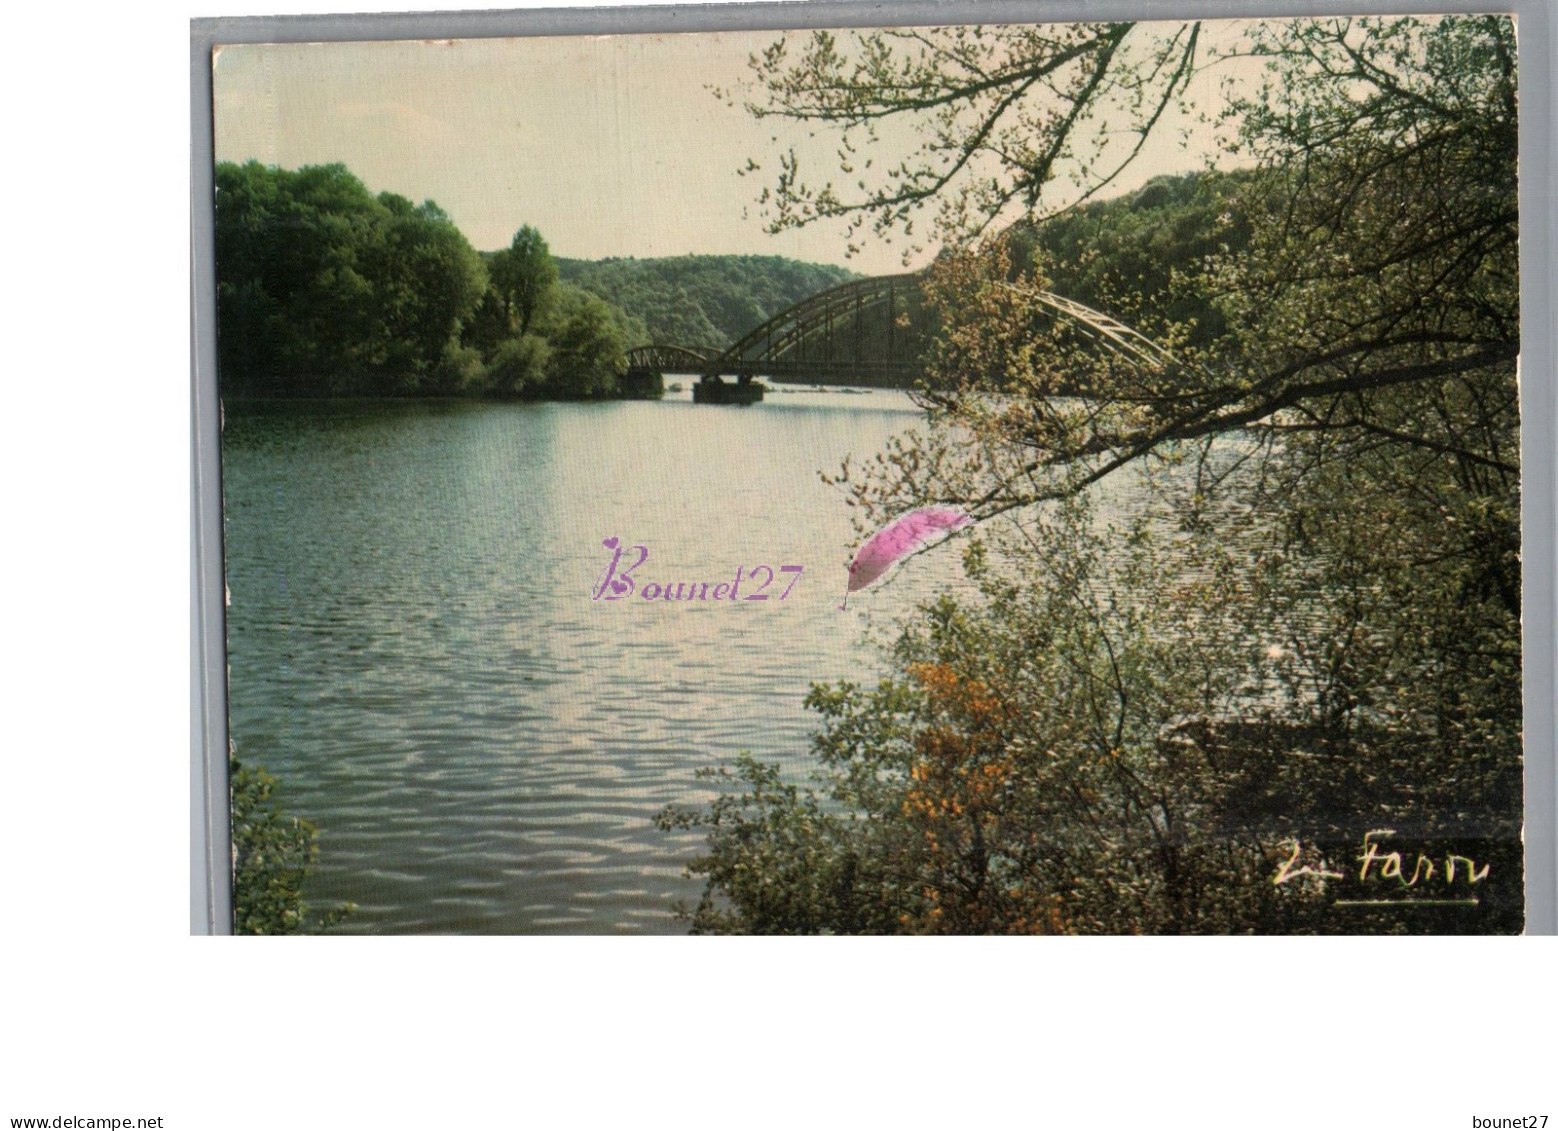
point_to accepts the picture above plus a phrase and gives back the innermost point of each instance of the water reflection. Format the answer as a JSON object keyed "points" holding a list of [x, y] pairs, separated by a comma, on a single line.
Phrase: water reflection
{"points": [[415, 652]]}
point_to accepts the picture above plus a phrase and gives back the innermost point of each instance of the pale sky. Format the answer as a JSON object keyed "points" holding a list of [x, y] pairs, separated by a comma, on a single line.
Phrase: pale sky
{"points": [[609, 145]]}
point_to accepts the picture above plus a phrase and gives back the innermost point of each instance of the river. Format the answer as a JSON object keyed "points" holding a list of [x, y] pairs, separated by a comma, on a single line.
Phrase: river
{"points": [[416, 653]]}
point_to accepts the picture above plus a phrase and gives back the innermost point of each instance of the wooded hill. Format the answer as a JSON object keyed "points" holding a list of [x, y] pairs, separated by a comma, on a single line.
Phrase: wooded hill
{"points": [[327, 290], [702, 300]]}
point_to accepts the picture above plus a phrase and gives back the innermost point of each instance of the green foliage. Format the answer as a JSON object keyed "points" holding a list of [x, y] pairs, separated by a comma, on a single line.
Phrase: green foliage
{"points": [[1145, 257], [490, 325], [1031, 767], [1131, 730], [459, 372], [518, 367], [273, 855], [778, 862], [588, 346], [702, 300], [1310, 631], [522, 274], [326, 290]]}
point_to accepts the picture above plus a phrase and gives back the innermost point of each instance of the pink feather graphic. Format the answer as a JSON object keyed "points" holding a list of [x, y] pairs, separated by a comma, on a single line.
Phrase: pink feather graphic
{"points": [[905, 535]]}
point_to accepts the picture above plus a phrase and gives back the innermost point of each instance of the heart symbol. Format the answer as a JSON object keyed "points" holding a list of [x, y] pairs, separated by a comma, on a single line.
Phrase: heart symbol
{"points": [[610, 543], [620, 586]]}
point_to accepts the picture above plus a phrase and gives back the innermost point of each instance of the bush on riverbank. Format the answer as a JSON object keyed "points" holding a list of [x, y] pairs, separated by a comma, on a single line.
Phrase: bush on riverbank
{"points": [[273, 855]]}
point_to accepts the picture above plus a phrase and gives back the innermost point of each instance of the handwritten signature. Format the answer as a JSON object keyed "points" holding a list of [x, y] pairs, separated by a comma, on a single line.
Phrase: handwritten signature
{"points": [[1378, 863]]}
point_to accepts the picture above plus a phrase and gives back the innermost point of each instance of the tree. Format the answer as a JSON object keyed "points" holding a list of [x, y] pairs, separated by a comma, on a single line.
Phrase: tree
{"points": [[1356, 119], [1331, 483], [1369, 366], [1144, 257], [1372, 301], [1000, 113], [1031, 768], [326, 290], [518, 366], [587, 352], [522, 274], [427, 281], [295, 312]]}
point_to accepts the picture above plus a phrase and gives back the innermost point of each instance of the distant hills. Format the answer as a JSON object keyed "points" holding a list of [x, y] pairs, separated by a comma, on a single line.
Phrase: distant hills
{"points": [[1136, 255], [701, 300], [1148, 254], [326, 289]]}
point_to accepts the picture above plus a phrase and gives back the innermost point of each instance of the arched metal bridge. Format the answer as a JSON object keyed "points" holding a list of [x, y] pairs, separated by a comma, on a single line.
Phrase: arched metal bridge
{"points": [[868, 332], [671, 359]]}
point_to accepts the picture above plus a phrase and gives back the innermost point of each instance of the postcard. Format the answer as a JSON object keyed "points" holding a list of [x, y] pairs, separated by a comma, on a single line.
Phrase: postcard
{"points": [[1008, 479]]}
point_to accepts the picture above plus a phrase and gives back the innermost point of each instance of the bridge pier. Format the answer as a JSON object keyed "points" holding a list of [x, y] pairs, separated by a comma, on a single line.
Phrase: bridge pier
{"points": [[643, 384], [712, 390]]}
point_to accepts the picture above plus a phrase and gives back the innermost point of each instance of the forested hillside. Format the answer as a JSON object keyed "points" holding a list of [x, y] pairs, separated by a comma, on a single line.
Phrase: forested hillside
{"points": [[1144, 257], [327, 290], [702, 300]]}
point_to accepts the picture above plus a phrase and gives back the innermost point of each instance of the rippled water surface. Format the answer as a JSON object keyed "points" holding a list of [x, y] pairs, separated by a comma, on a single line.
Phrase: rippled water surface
{"points": [[415, 652]]}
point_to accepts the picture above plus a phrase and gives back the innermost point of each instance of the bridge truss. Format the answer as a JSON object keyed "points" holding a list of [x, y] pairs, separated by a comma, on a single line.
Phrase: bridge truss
{"points": [[868, 332]]}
